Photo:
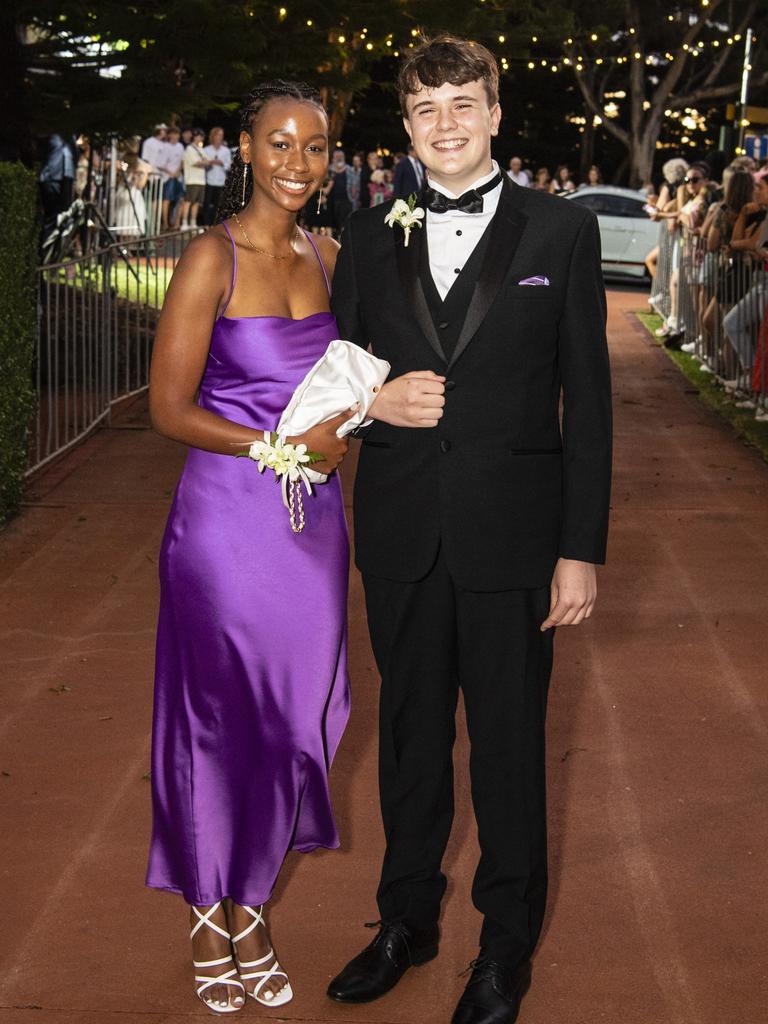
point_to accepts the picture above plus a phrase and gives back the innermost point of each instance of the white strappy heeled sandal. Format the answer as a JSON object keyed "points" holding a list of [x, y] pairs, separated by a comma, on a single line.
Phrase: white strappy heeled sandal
{"points": [[268, 999], [227, 977]]}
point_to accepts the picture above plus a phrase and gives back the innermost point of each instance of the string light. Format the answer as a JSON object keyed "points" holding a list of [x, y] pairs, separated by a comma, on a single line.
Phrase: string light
{"points": [[342, 39]]}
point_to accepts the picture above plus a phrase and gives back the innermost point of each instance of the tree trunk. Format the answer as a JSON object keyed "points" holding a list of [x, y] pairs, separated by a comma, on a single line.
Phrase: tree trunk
{"points": [[643, 151], [587, 157], [337, 104]]}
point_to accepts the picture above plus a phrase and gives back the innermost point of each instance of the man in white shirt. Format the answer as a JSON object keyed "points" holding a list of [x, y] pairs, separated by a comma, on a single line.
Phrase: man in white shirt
{"points": [[517, 174], [173, 187], [153, 149], [219, 160]]}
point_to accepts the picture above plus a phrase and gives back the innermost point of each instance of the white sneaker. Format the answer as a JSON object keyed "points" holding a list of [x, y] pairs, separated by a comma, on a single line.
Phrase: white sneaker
{"points": [[706, 369], [746, 403], [762, 415], [688, 346]]}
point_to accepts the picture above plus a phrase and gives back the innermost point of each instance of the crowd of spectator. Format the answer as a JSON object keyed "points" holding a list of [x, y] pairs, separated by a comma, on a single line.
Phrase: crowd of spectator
{"points": [[709, 272]]}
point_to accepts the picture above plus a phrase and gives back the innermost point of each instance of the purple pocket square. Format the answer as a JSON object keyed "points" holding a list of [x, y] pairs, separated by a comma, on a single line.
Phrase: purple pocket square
{"points": [[538, 279]]}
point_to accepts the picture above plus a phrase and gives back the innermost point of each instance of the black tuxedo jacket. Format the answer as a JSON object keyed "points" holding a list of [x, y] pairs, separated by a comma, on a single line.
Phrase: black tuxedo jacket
{"points": [[501, 483]]}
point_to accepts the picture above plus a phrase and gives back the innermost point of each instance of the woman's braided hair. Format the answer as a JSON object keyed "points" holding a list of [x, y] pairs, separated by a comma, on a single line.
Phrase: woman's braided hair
{"points": [[277, 88]]}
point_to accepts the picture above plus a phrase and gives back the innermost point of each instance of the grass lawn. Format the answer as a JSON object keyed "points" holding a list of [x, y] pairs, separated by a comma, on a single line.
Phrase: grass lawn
{"points": [[742, 420], [147, 284]]}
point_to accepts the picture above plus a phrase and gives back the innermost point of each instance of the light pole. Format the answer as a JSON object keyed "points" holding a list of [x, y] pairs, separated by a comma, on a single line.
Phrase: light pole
{"points": [[742, 106]]}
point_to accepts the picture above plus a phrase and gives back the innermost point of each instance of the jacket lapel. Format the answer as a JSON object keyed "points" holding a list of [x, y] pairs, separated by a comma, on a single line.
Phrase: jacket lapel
{"points": [[408, 258], [506, 230]]}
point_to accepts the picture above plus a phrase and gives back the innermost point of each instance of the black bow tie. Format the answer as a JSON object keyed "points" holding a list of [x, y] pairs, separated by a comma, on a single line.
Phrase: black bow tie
{"points": [[469, 202]]}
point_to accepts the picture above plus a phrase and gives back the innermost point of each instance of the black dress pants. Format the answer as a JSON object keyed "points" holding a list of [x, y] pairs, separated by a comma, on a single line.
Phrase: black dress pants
{"points": [[429, 638]]}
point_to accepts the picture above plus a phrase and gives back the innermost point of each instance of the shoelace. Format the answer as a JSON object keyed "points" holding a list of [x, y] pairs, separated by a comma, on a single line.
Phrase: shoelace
{"points": [[483, 969], [397, 927]]}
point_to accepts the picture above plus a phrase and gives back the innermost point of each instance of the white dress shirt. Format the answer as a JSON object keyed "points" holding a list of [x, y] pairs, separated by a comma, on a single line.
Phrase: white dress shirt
{"points": [[215, 175], [452, 236]]}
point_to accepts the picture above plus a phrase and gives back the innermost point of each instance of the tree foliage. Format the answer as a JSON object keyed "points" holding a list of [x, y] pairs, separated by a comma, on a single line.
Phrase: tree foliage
{"points": [[188, 58]]}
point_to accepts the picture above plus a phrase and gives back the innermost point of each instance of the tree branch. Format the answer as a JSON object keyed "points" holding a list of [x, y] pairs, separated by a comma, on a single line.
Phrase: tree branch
{"points": [[589, 98], [717, 92], [722, 60]]}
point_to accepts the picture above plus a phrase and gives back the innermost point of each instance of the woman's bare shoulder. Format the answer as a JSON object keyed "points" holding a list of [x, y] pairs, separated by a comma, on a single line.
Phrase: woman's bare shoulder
{"points": [[329, 249]]}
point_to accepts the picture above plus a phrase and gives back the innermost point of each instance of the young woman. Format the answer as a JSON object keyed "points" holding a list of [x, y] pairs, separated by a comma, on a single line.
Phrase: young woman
{"points": [[542, 181], [561, 183], [251, 691], [594, 177]]}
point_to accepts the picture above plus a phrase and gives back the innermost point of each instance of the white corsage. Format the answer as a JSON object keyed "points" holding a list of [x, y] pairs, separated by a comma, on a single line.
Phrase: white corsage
{"points": [[287, 461], [407, 214]]}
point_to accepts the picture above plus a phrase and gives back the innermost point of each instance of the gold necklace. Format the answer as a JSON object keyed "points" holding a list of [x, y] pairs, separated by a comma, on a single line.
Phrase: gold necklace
{"points": [[272, 255]]}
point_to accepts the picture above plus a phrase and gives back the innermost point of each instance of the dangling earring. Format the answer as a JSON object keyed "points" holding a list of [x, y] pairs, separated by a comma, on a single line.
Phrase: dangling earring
{"points": [[319, 199], [245, 179]]}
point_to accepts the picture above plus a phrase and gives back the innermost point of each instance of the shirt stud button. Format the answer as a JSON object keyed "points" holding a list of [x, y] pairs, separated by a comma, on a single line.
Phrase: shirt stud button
{"points": [[443, 325], [458, 232], [457, 270], [445, 446]]}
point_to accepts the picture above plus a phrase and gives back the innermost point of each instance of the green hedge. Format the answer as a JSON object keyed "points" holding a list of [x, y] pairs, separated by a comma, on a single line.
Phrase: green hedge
{"points": [[18, 258]]}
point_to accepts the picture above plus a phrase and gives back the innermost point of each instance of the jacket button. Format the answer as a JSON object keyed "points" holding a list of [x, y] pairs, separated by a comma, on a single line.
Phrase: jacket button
{"points": [[450, 385], [445, 446]]}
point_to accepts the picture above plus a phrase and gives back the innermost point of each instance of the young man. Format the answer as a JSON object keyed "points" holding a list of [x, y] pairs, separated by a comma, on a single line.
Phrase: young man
{"points": [[173, 186], [219, 160], [478, 522]]}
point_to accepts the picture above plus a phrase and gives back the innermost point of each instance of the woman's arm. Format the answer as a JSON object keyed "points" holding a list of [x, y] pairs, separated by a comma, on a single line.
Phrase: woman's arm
{"points": [[198, 289], [709, 220], [745, 238]]}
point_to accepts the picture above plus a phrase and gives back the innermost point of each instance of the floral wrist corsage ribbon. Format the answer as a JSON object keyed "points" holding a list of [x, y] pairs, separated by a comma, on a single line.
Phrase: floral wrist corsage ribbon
{"points": [[288, 462], [407, 214]]}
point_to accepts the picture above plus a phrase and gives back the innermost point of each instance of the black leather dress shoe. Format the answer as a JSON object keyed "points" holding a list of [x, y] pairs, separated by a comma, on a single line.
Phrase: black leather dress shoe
{"points": [[493, 994], [382, 964]]}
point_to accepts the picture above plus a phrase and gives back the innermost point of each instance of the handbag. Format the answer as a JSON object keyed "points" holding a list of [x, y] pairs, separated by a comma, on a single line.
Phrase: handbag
{"points": [[346, 375]]}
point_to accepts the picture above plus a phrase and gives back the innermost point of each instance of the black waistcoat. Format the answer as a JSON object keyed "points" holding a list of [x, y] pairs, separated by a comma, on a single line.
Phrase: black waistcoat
{"points": [[449, 314]]}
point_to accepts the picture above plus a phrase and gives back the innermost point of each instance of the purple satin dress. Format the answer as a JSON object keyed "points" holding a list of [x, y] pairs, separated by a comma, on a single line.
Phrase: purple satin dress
{"points": [[251, 688]]}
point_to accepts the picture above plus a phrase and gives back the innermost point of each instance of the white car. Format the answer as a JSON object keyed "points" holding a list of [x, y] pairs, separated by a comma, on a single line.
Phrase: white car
{"points": [[627, 232]]}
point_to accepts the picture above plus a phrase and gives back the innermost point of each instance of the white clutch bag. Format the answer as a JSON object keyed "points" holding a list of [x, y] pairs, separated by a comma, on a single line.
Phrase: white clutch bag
{"points": [[346, 375]]}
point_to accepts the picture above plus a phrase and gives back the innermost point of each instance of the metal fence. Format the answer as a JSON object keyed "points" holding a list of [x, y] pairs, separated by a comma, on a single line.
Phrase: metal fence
{"points": [[717, 302], [96, 321]]}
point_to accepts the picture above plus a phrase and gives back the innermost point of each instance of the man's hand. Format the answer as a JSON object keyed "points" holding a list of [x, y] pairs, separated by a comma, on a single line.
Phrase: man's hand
{"points": [[323, 440], [573, 593], [414, 400]]}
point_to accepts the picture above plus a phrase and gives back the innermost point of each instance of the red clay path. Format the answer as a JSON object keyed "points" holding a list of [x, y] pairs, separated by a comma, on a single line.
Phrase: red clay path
{"points": [[657, 753]]}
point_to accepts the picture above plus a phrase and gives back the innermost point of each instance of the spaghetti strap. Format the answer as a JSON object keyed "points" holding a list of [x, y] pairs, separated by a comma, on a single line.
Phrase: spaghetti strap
{"points": [[234, 268], [319, 259]]}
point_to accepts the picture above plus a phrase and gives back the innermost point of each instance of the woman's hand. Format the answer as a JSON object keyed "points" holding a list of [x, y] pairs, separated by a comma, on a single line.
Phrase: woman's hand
{"points": [[323, 440]]}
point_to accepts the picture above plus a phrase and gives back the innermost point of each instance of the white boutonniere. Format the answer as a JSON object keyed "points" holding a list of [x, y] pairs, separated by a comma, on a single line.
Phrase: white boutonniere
{"points": [[407, 214]]}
